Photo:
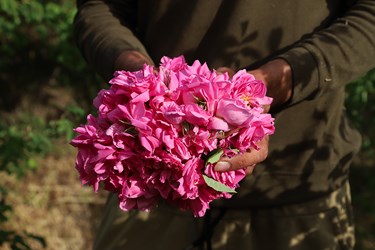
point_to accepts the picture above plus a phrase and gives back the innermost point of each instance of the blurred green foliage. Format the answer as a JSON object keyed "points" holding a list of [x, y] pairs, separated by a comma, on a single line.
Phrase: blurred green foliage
{"points": [[360, 108], [24, 137], [38, 29], [37, 48], [37, 51]]}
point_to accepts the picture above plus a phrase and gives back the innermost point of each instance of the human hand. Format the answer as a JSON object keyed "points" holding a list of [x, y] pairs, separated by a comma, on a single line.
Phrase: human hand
{"points": [[247, 160], [277, 75], [131, 60]]}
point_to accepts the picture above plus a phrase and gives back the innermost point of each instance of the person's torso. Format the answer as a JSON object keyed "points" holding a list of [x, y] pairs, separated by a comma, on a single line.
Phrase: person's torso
{"points": [[313, 144]]}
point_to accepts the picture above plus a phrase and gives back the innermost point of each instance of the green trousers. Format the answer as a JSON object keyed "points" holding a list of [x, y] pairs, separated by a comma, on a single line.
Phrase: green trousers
{"points": [[324, 223]]}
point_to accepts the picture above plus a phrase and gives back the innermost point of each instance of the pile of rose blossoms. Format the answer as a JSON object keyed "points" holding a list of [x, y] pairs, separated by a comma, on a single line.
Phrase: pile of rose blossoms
{"points": [[158, 131]]}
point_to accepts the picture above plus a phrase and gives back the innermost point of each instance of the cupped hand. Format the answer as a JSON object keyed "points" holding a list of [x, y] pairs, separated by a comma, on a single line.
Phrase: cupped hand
{"points": [[131, 60], [277, 77], [247, 160]]}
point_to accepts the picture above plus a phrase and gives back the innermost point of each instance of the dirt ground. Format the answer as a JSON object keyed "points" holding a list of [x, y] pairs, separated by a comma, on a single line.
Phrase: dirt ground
{"points": [[51, 203]]}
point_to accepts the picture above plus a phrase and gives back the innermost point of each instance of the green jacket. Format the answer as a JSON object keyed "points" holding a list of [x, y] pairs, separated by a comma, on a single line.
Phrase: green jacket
{"points": [[328, 44]]}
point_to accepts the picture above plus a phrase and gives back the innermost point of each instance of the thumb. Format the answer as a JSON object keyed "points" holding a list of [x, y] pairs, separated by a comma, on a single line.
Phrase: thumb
{"points": [[247, 159]]}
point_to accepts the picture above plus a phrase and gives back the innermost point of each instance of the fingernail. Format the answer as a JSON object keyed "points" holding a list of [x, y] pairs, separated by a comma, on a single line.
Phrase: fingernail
{"points": [[222, 166]]}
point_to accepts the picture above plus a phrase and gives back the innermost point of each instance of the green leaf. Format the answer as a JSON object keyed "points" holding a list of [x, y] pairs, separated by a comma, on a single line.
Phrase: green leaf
{"points": [[214, 156], [218, 186]]}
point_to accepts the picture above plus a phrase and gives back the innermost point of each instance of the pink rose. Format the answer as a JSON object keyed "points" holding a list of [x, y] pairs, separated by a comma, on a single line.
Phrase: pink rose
{"points": [[234, 112], [196, 115]]}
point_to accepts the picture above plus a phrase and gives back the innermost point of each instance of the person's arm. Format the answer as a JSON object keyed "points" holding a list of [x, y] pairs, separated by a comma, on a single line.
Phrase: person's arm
{"points": [[320, 62], [103, 31], [324, 60]]}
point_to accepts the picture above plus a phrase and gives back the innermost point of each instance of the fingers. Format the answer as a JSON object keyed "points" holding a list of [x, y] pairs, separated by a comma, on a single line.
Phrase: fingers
{"points": [[223, 70], [249, 159], [249, 170], [246, 160], [131, 60], [266, 108]]}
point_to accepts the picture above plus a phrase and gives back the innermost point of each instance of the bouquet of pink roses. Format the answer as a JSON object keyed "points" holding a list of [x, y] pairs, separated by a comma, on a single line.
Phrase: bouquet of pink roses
{"points": [[159, 133]]}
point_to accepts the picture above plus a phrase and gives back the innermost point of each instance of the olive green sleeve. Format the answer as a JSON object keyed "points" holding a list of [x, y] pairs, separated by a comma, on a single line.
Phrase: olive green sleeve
{"points": [[103, 29], [330, 58]]}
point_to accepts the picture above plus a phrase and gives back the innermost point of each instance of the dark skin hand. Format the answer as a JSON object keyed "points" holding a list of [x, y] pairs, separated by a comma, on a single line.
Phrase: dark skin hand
{"points": [[131, 60], [277, 76]]}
